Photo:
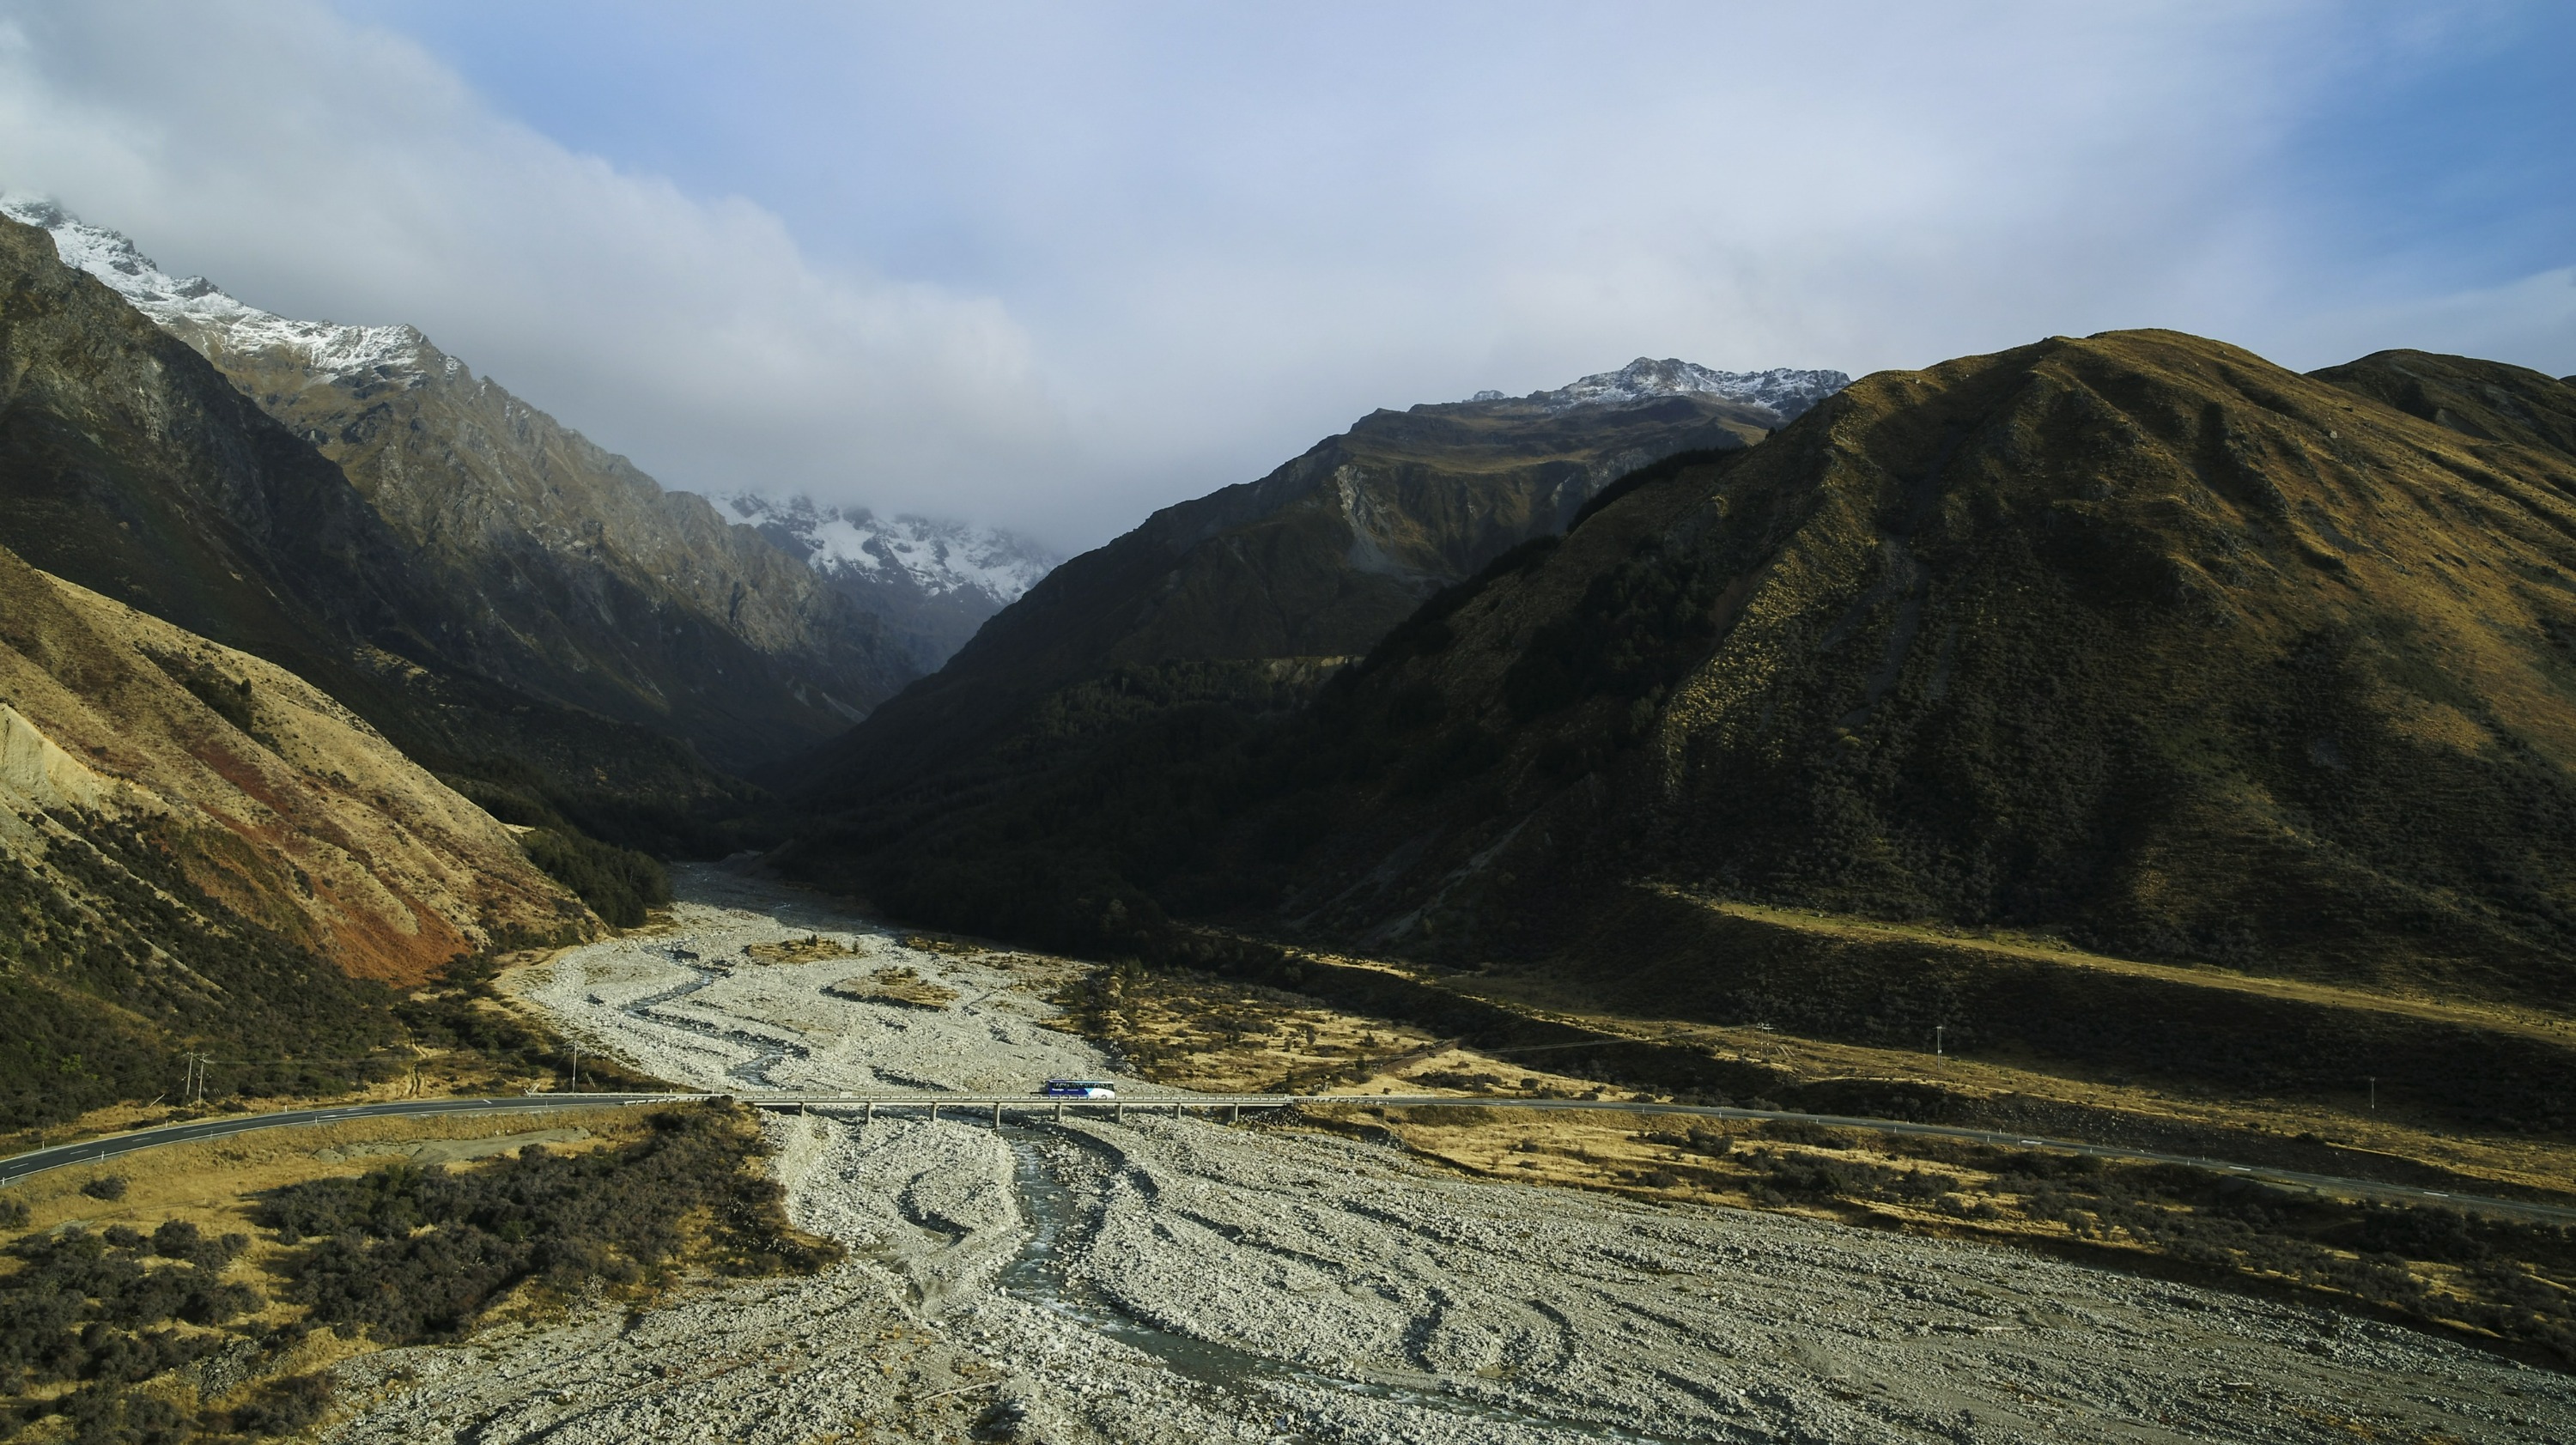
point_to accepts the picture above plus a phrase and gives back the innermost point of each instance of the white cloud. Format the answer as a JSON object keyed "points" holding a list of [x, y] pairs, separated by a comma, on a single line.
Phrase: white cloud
{"points": [[327, 171], [1181, 242]]}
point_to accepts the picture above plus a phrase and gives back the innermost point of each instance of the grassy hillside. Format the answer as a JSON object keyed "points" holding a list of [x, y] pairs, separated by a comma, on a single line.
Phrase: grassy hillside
{"points": [[2484, 399], [199, 851], [2136, 638]]}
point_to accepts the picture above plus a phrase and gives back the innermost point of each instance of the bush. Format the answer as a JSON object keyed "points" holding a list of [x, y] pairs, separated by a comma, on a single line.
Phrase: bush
{"points": [[110, 1187], [285, 1406], [96, 1307], [417, 1254]]}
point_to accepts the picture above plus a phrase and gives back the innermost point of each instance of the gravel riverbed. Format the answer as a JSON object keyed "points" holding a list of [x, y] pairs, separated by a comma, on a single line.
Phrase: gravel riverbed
{"points": [[1170, 1280]]}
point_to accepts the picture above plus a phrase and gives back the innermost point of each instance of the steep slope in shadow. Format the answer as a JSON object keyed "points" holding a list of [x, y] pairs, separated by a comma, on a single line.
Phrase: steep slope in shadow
{"points": [[559, 569], [129, 466]]}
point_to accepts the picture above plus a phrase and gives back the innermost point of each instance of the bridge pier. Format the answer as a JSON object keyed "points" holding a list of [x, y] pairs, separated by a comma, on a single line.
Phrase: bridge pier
{"points": [[1120, 1112], [934, 1113], [871, 1116], [1059, 1108], [997, 1113], [1234, 1113]]}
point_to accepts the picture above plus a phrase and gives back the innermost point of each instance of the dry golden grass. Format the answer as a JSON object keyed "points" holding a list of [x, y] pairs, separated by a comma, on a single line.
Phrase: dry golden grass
{"points": [[2040, 948], [895, 984], [813, 948], [1214, 1035], [215, 1183]]}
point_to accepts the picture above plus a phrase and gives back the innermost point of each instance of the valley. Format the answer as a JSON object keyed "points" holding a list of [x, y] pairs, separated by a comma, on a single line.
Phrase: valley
{"points": [[1789, 808], [1164, 1279]]}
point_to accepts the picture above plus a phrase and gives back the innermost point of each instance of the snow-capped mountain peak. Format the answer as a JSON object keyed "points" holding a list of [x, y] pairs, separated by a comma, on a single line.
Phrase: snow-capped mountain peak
{"points": [[934, 581], [203, 313], [937, 556], [1785, 390]]}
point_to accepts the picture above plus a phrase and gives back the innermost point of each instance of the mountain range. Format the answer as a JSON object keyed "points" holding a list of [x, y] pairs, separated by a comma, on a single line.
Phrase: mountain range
{"points": [[1934, 699], [1257, 590], [564, 571], [2137, 646]]}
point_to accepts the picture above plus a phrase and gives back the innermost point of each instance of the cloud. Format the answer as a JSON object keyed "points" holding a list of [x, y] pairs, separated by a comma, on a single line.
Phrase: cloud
{"points": [[1054, 266], [324, 170]]}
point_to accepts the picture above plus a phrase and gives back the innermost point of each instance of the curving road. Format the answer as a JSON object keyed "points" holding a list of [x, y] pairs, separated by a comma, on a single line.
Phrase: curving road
{"points": [[109, 1146], [87, 1151]]}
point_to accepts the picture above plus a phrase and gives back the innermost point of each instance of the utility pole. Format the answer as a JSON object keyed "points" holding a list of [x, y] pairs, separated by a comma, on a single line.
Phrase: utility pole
{"points": [[1936, 1039], [2374, 1093], [576, 1066]]}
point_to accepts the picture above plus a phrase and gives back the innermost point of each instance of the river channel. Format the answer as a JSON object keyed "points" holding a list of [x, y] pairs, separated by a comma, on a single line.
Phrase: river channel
{"points": [[1166, 1281]]}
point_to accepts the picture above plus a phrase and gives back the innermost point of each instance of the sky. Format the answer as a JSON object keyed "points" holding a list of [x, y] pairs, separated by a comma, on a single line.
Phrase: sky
{"points": [[1051, 266]]}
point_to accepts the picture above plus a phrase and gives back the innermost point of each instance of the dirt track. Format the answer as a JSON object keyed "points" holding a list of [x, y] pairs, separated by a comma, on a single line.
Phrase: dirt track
{"points": [[1183, 1281]]}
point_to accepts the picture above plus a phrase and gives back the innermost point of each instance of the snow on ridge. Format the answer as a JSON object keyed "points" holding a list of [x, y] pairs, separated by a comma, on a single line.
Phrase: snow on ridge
{"points": [[197, 309], [1786, 390], [935, 555]]}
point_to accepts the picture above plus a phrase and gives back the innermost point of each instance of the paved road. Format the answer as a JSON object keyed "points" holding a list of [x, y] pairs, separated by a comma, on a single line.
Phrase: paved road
{"points": [[996, 1105], [19, 1166]]}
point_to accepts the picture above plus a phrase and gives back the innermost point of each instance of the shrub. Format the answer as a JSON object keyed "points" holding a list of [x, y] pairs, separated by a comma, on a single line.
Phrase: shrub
{"points": [[285, 1406], [417, 1254]]}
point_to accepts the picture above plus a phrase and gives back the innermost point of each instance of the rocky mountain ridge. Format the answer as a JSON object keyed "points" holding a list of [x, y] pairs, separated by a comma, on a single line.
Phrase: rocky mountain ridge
{"points": [[574, 576], [1787, 391], [131, 467], [933, 581]]}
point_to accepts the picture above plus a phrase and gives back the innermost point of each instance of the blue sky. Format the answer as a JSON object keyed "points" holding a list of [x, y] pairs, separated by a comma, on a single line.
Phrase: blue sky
{"points": [[1052, 266]]}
